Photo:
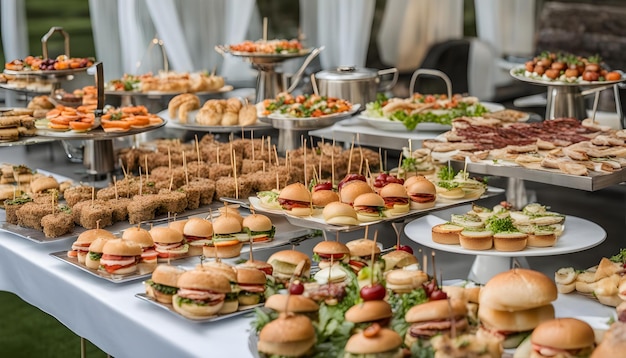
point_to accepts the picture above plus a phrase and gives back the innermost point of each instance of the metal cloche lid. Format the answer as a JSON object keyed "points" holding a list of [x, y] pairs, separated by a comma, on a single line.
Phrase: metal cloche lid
{"points": [[347, 73]]}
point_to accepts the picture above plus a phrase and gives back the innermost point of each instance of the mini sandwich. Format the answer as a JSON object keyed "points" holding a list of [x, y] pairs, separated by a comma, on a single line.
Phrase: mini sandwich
{"points": [[120, 257], [252, 286], [295, 199], [374, 342], [368, 312], [338, 213], [259, 228], [168, 243], [198, 233], [289, 263], [257, 264], [148, 255], [396, 199], [92, 260], [404, 281], [422, 193], [398, 259], [291, 335], [44, 184], [352, 189], [369, 207], [322, 197], [566, 337], [231, 301], [225, 243], [80, 247], [164, 283], [327, 251], [201, 294], [433, 318], [361, 253]]}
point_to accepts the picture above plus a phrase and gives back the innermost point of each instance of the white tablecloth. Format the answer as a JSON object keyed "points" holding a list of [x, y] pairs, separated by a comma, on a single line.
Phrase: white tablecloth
{"points": [[107, 313]]}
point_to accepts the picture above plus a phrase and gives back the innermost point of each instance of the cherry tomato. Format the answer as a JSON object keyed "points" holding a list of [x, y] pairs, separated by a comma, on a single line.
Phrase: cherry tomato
{"points": [[530, 66], [406, 248], [372, 330], [438, 295], [373, 292], [558, 65], [571, 72], [296, 288], [552, 73], [540, 69], [593, 67], [590, 76], [613, 76], [429, 287]]}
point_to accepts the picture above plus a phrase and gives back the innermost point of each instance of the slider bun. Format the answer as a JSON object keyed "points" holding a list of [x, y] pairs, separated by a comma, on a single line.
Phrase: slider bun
{"points": [[384, 341], [564, 333], [284, 263], [368, 311], [89, 236], [204, 280], [331, 247], [369, 199], [295, 191], [178, 225], [321, 198], [398, 259], [421, 186], [352, 189], [338, 213], [288, 335], [257, 222], [198, 227], [97, 245], [226, 224], [165, 235], [518, 289], [404, 281], [224, 252], [167, 275], [138, 235], [297, 303], [300, 211], [362, 247], [251, 276], [121, 247], [393, 190], [436, 310], [518, 321], [450, 194]]}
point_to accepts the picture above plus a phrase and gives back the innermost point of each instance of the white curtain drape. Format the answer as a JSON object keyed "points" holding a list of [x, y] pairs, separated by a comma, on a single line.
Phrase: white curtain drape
{"points": [[410, 27], [342, 27], [14, 29], [508, 25], [190, 29]]}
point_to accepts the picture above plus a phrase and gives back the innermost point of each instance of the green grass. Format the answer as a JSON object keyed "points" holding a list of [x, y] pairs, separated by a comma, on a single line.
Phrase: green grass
{"points": [[28, 332]]}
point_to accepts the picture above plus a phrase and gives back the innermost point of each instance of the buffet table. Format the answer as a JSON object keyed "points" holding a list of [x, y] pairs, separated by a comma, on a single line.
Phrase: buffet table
{"points": [[109, 315]]}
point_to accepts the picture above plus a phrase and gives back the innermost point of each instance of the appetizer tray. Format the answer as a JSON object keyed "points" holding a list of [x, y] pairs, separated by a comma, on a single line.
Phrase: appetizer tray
{"points": [[97, 133], [243, 310], [318, 222], [51, 73], [159, 94], [73, 261], [387, 124], [519, 73], [286, 122], [266, 57], [592, 182], [579, 234], [192, 125]]}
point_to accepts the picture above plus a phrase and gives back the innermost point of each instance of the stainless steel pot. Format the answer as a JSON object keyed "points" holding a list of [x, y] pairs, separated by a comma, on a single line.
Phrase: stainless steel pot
{"points": [[358, 85]]}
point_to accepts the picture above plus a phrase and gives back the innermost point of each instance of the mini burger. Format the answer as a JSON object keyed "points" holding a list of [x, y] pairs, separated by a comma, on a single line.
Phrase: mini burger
{"points": [[231, 301], [325, 251], [338, 213], [369, 207], [148, 255], [251, 286], [289, 263], [293, 303], [563, 337], [321, 198], [405, 281], [374, 341], [168, 243], [361, 253], [225, 243], [201, 294], [164, 283], [290, 335], [352, 189], [398, 259], [198, 233], [120, 257], [368, 312], [433, 318], [80, 247], [259, 228], [92, 260], [295, 199], [257, 264], [396, 199], [422, 193]]}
